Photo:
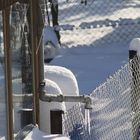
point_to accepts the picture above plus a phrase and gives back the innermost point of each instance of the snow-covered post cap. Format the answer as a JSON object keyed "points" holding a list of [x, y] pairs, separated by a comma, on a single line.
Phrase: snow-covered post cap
{"points": [[134, 48]]}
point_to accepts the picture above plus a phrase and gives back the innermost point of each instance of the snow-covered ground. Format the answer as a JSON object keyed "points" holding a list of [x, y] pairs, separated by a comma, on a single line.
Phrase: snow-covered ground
{"points": [[95, 38], [36, 134], [92, 65]]}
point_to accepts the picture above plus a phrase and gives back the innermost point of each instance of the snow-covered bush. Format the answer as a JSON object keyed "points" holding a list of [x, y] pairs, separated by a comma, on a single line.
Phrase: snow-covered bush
{"points": [[65, 79]]}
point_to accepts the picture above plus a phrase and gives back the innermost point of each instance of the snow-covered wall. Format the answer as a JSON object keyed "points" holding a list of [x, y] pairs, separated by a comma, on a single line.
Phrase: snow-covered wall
{"points": [[65, 79]]}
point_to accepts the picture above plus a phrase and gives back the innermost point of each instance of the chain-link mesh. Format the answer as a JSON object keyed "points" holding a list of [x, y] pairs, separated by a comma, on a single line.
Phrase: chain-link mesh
{"points": [[116, 106], [98, 22], [115, 114], [116, 109], [74, 124]]}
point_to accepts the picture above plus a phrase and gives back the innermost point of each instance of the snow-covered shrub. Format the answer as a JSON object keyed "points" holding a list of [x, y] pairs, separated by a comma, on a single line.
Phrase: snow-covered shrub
{"points": [[65, 79]]}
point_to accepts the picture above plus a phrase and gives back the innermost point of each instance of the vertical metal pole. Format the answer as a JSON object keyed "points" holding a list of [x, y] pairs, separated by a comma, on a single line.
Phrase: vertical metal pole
{"points": [[40, 54], [34, 4], [135, 92], [54, 12], [33, 47], [8, 79], [41, 47], [135, 70]]}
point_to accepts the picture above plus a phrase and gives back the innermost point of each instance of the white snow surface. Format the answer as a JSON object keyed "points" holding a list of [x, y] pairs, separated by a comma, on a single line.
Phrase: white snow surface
{"points": [[65, 79], [92, 65], [36, 134]]}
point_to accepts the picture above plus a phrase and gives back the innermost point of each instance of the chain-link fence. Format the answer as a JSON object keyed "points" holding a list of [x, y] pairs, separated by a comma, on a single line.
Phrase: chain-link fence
{"points": [[115, 113], [98, 22], [95, 22], [74, 124]]}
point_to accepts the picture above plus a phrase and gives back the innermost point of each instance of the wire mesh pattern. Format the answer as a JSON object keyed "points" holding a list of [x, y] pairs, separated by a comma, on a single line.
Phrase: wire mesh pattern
{"points": [[116, 109], [98, 22], [115, 113], [74, 124]]}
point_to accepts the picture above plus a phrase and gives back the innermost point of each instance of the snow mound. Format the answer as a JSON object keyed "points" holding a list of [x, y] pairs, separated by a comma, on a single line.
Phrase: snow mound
{"points": [[65, 79], [36, 134]]}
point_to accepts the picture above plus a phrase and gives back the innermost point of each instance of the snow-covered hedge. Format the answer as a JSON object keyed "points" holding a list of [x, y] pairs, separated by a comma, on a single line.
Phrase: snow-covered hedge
{"points": [[65, 79]]}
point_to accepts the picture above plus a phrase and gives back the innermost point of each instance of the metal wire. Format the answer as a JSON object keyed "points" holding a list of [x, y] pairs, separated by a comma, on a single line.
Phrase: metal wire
{"points": [[98, 22], [116, 108], [115, 113]]}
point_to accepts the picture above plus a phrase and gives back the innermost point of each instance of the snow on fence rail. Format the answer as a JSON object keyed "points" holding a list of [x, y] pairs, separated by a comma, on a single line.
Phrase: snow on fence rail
{"points": [[115, 113]]}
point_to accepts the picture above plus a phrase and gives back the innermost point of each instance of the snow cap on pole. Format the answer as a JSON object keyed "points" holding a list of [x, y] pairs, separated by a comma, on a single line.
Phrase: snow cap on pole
{"points": [[135, 45]]}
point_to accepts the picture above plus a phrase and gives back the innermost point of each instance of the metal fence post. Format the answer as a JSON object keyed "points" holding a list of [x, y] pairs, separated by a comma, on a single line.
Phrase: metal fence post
{"points": [[134, 69], [8, 76], [135, 86]]}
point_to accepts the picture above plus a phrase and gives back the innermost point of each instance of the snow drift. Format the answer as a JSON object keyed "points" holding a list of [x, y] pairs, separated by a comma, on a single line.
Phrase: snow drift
{"points": [[36, 134]]}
